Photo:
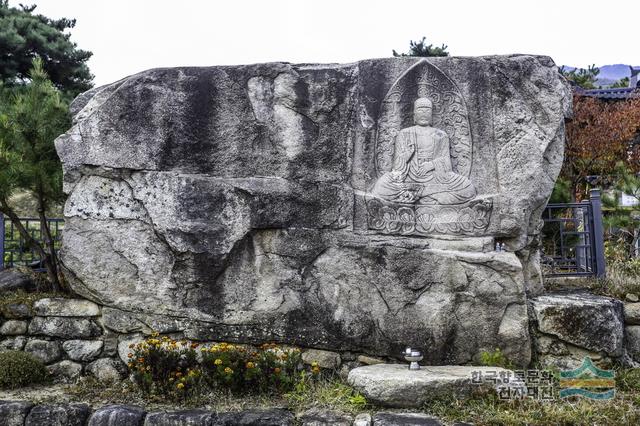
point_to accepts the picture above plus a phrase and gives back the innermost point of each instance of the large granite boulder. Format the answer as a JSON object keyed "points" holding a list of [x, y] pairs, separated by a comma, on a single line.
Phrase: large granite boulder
{"points": [[350, 206]]}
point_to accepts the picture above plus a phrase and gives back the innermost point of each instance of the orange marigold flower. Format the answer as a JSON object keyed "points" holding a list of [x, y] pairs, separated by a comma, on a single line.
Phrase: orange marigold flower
{"points": [[178, 374], [277, 370], [129, 355]]}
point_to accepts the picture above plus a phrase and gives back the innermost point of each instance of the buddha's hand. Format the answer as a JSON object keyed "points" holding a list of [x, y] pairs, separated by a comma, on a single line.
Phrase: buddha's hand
{"points": [[407, 196], [396, 175]]}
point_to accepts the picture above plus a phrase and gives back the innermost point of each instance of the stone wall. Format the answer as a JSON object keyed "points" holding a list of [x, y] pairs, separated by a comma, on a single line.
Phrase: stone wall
{"points": [[568, 326], [75, 337], [351, 207]]}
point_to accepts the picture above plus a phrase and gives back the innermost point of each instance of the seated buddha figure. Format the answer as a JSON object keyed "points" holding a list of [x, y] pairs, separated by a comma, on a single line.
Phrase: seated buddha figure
{"points": [[422, 172]]}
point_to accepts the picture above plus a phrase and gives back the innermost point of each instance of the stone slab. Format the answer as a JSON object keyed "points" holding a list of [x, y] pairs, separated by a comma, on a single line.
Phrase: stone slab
{"points": [[58, 415], [588, 321], [14, 413], [118, 415], [394, 385], [63, 307], [405, 419]]}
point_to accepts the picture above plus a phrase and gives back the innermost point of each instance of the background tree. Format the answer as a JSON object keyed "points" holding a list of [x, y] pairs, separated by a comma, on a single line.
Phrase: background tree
{"points": [[601, 135], [623, 222], [30, 120], [25, 36], [623, 82], [421, 48], [585, 78]]}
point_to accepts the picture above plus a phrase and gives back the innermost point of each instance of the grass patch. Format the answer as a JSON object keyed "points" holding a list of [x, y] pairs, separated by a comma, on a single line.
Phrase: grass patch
{"points": [[618, 283], [487, 409], [328, 392]]}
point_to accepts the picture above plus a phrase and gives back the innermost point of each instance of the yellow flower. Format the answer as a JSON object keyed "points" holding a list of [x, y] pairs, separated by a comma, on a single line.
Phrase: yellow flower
{"points": [[314, 364], [155, 334], [228, 370], [250, 365], [315, 370], [217, 361], [180, 386]]}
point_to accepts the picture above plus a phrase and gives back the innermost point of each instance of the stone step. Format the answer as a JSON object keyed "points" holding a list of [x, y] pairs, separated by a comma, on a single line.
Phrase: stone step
{"points": [[394, 385]]}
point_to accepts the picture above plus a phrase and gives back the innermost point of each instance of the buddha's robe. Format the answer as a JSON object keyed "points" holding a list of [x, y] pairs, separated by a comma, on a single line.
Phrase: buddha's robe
{"points": [[422, 171]]}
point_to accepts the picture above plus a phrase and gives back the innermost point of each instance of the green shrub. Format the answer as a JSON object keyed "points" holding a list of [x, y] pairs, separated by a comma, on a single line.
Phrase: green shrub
{"points": [[233, 367], [495, 359], [19, 369], [165, 367]]}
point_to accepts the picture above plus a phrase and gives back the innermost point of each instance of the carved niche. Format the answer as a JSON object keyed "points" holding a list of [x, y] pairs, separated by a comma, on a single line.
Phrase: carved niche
{"points": [[423, 160]]}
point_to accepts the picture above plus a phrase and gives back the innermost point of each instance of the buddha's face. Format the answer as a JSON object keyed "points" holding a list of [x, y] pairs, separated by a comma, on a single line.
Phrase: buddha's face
{"points": [[422, 115]]}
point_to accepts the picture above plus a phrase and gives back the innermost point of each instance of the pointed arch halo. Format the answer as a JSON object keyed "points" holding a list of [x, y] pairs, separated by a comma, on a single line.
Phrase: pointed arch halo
{"points": [[450, 114]]}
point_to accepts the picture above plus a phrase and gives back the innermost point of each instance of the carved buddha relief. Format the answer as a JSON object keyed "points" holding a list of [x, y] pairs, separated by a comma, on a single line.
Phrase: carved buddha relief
{"points": [[423, 164]]}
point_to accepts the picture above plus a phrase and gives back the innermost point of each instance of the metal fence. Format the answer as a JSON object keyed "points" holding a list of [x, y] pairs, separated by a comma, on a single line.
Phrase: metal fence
{"points": [[13, 249], [573, 241]]}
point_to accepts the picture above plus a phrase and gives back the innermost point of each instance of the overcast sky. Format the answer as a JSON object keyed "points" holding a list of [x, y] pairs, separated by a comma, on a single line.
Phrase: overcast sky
{"points": [[128, 36]]}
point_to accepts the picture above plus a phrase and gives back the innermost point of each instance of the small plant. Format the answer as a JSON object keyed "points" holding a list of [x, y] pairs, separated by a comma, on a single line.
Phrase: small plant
{"points": [[163, 366], [19, 369], [495, 359], [239, 369]]}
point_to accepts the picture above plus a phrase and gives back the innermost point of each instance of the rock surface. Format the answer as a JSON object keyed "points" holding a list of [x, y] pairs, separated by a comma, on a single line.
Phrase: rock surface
{"points": [[318, 417], [107, 370], [239, 202], [65, 371], [58, 415], [591, 322], [12, 280], [404, 419], [324, 359], [273, 417], [61, 307], [66, 328], [13, 328], [394, 385], [118, 415], [632, 337], [632, 313], [14, 413], [83, 350], [45, 350]]}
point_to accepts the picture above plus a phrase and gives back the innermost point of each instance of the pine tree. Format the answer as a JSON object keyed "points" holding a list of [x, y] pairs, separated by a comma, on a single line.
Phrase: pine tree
{"points": [[25, 36], [31, 117], [421, 48]]}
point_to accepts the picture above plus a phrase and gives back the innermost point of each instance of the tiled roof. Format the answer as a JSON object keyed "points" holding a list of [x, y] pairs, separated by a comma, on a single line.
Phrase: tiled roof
{"points": [[619, 93]]}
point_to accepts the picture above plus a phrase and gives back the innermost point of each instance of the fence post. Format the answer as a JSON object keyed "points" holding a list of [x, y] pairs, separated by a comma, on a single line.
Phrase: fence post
{"points": [[598, 232], [2, 231]]}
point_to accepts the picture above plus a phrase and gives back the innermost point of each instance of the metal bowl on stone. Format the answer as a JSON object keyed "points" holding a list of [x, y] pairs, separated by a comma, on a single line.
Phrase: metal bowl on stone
{"points": [[413, 356]]}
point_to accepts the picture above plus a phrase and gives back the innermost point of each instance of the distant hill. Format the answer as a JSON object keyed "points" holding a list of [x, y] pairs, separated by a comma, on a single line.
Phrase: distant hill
{"points": [[609, 74]]}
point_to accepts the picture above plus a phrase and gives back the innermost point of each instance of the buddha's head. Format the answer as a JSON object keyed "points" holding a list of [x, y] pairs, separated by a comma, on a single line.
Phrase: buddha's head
{"points": [[422, 111]]}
